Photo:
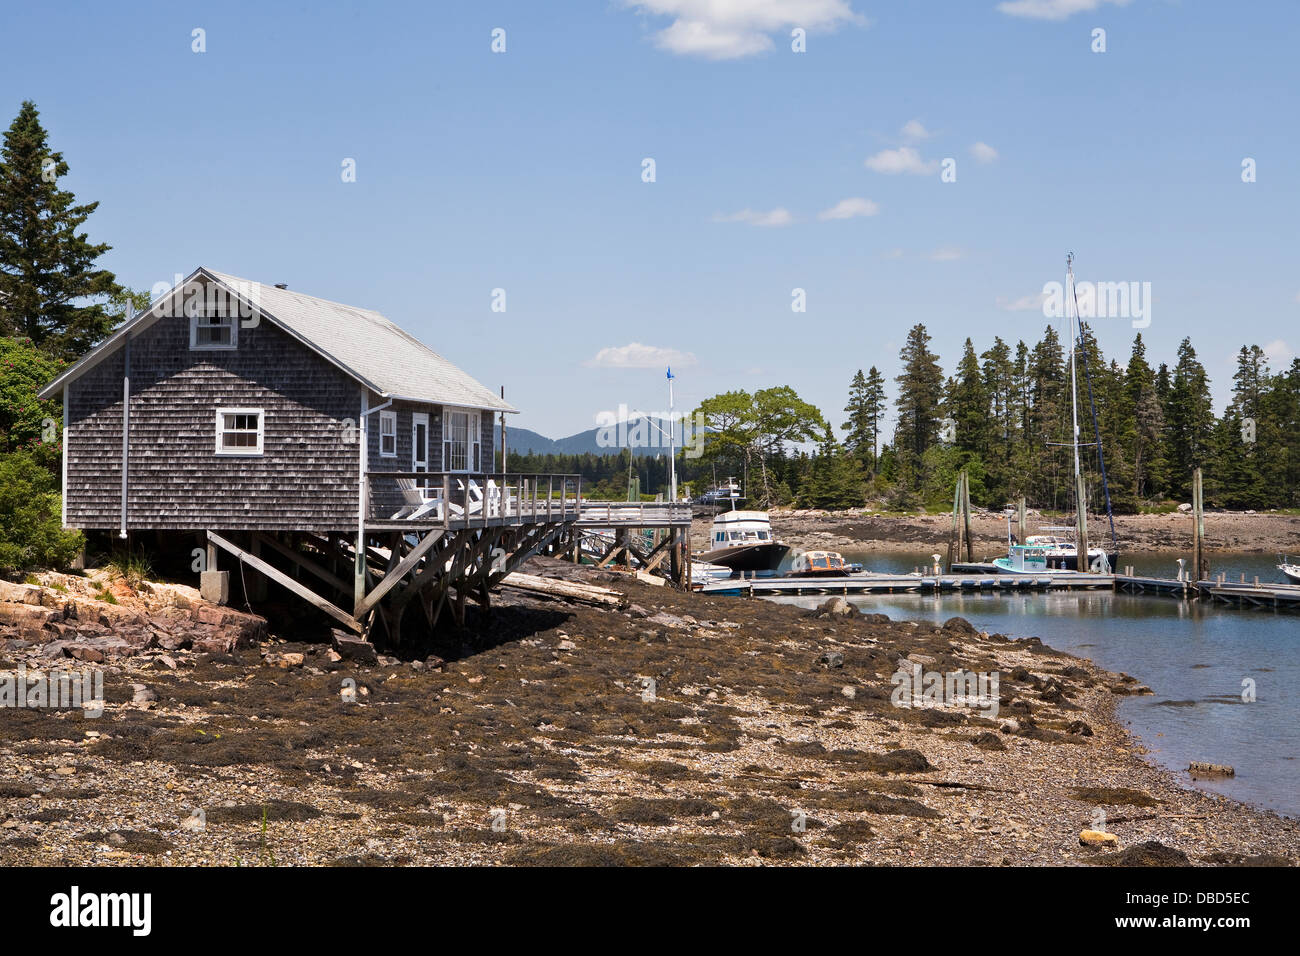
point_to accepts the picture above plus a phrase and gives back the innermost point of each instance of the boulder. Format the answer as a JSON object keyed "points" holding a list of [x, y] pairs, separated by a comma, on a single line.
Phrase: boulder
{"points": [[1098, 838], [85, 652], [1198, 769], [217, 642], [836, 607], [20, 593], [831, 659], [286, 661], [354, 647]]}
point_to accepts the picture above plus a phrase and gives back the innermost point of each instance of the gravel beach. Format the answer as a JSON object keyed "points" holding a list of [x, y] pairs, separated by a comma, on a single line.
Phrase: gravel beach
{"points": [[674, 729]]}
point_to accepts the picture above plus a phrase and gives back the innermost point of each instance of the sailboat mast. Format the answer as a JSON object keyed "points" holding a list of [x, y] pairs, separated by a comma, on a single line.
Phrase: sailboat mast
{"points": [[1074, 385], [1080, 498]]}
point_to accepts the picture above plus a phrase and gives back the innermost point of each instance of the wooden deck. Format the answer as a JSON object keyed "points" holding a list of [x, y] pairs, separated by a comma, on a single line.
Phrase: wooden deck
{"points": [[422, 501]]}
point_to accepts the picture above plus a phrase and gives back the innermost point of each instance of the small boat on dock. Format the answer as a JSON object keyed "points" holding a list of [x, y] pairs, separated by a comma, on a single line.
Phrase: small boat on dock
{"points": [[819, 564], [1063, 554], [1023, 559]]}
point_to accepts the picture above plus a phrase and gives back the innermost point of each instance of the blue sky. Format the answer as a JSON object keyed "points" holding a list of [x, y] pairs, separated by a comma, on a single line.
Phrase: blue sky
{"points": [[522, 171]]}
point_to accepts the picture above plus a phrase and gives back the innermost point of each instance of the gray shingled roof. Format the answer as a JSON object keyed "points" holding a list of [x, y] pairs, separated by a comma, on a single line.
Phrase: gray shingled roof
{"points": [[363, 342], [370, 345]]}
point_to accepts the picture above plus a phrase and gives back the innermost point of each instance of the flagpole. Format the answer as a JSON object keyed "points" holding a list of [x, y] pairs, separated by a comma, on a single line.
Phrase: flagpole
{"points": [[672, 442]]}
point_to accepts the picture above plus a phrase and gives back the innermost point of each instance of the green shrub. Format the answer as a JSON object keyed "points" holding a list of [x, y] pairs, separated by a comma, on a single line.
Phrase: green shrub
{"points": [[26, 423], [31, 532]]}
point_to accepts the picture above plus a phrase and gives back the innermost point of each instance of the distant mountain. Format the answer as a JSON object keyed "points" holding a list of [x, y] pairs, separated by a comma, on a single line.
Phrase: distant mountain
{"points": [[521, 441], [636, 433]]}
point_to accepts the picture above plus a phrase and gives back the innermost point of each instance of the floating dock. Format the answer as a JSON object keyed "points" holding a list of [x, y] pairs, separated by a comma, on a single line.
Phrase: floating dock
{"points": [[909, 583], [1257, 595]]}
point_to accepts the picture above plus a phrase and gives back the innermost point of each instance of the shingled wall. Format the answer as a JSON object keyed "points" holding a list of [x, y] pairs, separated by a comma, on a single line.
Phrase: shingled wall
{"points": [[306, 478]]}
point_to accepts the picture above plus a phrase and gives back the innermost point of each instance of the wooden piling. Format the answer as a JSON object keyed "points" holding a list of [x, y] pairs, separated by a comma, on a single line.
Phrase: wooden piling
{"points": [[1200, 566]]}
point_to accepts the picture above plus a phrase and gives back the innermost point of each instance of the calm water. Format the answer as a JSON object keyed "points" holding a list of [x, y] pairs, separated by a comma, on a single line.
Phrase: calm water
{"points": [[1193, 656]]}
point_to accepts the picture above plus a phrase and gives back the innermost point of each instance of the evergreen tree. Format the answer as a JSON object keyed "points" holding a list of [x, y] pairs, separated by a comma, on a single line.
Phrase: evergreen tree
{"points": [[51, 291], [875, 413], [857, 437], [1189, 417], [920, 396], [834, 480], [969, 404]]}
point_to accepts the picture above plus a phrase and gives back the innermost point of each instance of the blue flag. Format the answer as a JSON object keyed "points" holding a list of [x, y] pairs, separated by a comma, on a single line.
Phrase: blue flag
{"points": [[670, 371]]}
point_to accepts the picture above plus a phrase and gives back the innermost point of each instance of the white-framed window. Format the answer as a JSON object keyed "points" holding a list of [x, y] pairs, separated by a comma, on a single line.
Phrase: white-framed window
{"points": [[240, 431], [460, 440], [388, 434], [214, 332]]}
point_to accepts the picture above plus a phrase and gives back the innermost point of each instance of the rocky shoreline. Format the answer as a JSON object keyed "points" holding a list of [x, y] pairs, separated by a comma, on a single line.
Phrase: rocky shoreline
{"points": [[865, 531], [675, 729]]}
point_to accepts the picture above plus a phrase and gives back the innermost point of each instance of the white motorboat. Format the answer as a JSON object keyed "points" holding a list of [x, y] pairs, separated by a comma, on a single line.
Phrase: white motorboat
{"points": [[743, 541]]}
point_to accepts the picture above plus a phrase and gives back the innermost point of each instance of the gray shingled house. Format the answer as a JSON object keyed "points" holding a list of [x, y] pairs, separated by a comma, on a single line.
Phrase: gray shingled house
{"points": [[297, 433]]}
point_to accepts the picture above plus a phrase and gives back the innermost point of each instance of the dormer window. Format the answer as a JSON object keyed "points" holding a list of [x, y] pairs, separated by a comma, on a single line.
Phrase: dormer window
{"points": [[213, 332]]}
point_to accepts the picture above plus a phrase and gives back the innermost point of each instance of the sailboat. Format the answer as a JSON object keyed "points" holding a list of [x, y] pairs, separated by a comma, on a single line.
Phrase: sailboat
{"points": [[1038, 553], [1290, 568]]}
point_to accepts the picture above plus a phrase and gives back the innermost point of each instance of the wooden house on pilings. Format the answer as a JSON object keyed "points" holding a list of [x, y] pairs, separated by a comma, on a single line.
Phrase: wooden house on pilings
{"points": [[303, 442]]}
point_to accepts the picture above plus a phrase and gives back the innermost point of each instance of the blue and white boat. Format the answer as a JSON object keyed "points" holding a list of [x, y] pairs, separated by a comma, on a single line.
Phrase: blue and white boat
{"points": [[1023, 559]]}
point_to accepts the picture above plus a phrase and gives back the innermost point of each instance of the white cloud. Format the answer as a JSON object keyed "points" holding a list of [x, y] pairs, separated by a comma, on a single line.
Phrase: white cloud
{"points": [[779, 216], [947, 254], [1025, 303], [902, 160], [636, 355], [1053, 9], [1280, 355], [983, 153], [850, 208], [913, 130], [729, 29]]}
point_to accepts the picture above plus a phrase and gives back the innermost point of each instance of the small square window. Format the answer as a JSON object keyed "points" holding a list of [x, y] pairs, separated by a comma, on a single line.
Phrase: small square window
{"points": [[240, 431], [388, 434], [213, 332]]}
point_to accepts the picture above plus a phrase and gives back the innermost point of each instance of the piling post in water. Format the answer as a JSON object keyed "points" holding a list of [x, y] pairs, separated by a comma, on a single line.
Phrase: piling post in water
{"points": [[965, 509], [954, 536], [1200, 567]]}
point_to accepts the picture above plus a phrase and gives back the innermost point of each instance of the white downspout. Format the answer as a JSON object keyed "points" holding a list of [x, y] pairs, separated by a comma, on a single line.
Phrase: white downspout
{"points": [[126, 424], [64, 516]]}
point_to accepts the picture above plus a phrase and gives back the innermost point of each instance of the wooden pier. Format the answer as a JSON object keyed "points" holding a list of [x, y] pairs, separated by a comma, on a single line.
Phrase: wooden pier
{"points": [[430, 541]]}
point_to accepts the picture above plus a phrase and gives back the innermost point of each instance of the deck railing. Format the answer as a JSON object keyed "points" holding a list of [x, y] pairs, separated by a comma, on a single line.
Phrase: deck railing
{"points": [[634, 514], [467, 500]]}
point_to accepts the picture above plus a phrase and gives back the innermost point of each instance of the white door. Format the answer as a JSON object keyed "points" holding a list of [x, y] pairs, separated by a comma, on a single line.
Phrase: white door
{"points": [[420, 444], [461, 440]]}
